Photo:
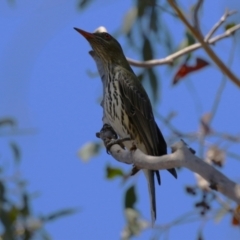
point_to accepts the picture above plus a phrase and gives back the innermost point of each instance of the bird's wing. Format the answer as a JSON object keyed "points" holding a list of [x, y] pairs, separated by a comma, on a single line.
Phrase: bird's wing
{"points": [[138, 107], [139, 110]]}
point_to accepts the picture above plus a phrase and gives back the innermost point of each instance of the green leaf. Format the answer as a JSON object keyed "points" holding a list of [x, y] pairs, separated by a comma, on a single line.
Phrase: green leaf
{"points": [[154, 23], [190, 38], [89, 150], [130, 197], [222, 212], [2, 193], [147, 49], [187, 41], [230, 25], [200, 235], [13, 214], [141, 76], [7, 121], [113, 172], [83, 3], [45, 236], [153, 83], [25, 209], [135, 225], [58, 214], [129, 19], [16, 151], [5, 221], [141, 6]]}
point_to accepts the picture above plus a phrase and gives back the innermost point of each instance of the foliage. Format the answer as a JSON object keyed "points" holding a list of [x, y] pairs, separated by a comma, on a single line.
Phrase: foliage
{"points": [[17, 218]]}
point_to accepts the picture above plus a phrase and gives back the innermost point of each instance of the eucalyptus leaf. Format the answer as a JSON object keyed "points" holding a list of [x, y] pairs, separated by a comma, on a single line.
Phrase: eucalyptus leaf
{"points": [[230, 25], [59, 214], [153, 83], [141, 6], [89, 150], [13, 213], [113, 172], [154, 24], [129, 20], [130, 197], [135, 225], [2, 193], [220, 214], [83, 3], [7, 121], [16, 151], [147, 49], [25, 211], [190, 38]]}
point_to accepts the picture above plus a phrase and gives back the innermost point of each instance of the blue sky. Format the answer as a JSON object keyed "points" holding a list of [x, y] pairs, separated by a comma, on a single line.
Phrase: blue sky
{"points": [[44, 85]]}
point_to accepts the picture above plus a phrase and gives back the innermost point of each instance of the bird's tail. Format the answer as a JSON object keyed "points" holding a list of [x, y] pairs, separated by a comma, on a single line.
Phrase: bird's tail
{"points": [[151, 189]]}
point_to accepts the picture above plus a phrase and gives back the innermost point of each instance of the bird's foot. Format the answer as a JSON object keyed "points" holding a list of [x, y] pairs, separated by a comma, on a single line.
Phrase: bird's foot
{"points": [[107, 134], [134, 170], [118, 141], [109, 137], [134, 147]]}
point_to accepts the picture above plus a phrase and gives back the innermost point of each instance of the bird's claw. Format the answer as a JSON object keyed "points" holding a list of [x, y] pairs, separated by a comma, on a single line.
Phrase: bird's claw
{"points": [[134, 147], [134, 170], [118, 141], [109, 137], [107, 134]]}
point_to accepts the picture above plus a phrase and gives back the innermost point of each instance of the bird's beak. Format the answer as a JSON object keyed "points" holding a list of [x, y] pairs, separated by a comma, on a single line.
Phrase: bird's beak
{"points": [[87, 35]]}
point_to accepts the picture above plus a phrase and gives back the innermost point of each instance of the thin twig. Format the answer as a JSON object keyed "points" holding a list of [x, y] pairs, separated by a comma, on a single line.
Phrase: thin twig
{"points": [[205, 46], [169, 59], [195, 15], [233, 155], [218, 24], [222, 85], [166, 10], [13, 132]]}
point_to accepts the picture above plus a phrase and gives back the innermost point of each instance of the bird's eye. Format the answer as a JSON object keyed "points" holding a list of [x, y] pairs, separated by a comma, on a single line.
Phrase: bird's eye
{"points": [[107, 36]]}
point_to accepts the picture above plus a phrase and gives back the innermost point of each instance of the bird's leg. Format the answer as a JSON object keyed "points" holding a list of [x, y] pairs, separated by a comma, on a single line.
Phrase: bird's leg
{"points": [[118, 141], [107, 134], [134, 170], [109, 137]]}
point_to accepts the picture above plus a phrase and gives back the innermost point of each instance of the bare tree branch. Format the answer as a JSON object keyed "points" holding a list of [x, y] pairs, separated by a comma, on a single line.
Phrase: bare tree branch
{"points": [[195, 15], [222, 84], [205, 46], [218, 24], [169, 59], [181, 157]]}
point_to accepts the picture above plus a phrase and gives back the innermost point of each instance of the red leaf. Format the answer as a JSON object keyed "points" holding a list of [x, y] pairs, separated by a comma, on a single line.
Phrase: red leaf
{"points": [[185, 69], [236, 216]]}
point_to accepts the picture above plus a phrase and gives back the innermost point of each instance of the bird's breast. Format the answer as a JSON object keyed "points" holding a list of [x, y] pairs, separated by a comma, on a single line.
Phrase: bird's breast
{"points": [[115, 111]]}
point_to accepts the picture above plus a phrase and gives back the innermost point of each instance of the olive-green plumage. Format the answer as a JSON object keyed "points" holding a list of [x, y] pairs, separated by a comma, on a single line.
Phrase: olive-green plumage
{"points": [[126, 104]]}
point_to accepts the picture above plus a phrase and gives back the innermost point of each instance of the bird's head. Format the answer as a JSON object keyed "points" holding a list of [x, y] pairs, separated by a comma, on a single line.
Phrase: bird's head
{"points": [[106, 47]]}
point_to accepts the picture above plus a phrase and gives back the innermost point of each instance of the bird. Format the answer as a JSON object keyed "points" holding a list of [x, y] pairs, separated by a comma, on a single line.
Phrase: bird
{"points": [[127, 106]]}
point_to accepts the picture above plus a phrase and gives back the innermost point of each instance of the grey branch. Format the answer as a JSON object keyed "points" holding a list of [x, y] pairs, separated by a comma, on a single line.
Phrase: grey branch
{"points": [[197, 7], [208, 39], [219, 23], [170, 58], [181, 156]]}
